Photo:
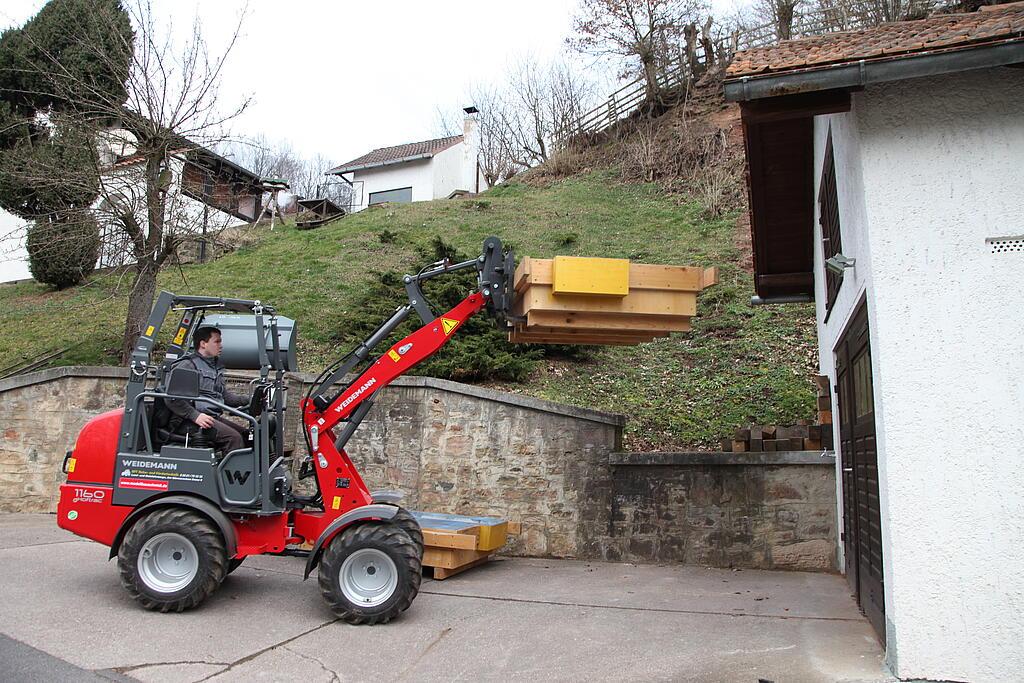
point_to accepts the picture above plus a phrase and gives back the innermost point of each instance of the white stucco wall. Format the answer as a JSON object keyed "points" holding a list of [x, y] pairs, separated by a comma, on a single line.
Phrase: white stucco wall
{"points": [[447, 168], [415, 174], [936, 164], [13, 257]]}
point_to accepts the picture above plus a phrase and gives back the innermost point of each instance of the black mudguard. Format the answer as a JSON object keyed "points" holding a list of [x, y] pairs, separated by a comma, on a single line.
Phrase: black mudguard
{"points": [[365, 512], [200, 505]]}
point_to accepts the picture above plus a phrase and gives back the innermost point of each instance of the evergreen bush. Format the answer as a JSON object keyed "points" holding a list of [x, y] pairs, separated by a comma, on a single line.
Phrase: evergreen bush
{"points": [[62, 251]]}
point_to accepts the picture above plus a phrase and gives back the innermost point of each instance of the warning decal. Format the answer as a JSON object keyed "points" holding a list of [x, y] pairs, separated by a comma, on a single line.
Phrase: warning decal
{"points": [[448, 324], [336, 503], [149, 331], [394, 355], [180, 337]]}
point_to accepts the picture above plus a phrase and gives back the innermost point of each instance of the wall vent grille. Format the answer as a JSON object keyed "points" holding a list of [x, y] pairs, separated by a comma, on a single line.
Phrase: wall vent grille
{"points": [[998, 245]]}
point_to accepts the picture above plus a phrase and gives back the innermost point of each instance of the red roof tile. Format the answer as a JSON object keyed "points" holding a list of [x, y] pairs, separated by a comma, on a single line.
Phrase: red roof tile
{"points": [[398, 153], [943, 32]]}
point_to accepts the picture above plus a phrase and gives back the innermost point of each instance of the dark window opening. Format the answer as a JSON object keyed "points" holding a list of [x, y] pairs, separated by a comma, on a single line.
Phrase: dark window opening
{"points": [[402, 195], [831, 239]]}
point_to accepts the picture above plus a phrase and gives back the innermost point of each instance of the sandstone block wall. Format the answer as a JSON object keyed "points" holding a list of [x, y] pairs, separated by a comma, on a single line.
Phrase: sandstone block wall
{"points": [[775, 511], [462, 449]]}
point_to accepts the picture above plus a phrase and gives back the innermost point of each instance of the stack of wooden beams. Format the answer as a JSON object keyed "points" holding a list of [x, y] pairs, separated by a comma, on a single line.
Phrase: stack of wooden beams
{"points": [[574, 300], [454, 543], [824, 399], [775, 438]]}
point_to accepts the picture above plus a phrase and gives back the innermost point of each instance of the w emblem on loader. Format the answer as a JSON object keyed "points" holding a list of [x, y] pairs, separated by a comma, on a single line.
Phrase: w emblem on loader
{"points": [[236, 476]]}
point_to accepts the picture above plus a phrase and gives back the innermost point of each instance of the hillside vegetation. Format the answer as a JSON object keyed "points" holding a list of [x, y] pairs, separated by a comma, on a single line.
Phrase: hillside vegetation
{"points": [[740, 364]]}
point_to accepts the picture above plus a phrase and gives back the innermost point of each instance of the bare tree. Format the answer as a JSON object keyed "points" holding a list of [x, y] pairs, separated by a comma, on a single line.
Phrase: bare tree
{"points": [[644, 31], [139, 144]]}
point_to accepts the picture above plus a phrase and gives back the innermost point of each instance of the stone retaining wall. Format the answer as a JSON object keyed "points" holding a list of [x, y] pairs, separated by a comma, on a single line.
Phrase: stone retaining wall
{"points": [[455, 448], [762, 511]]}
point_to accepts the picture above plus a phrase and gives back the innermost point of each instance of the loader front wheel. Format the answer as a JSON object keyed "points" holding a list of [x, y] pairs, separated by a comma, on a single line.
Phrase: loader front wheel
{"points": [[404, 520], [370, 572], [172, 559]]}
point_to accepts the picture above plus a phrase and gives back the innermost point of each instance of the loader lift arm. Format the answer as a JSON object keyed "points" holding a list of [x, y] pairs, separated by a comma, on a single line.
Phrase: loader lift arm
{"points": [[323, 413]]}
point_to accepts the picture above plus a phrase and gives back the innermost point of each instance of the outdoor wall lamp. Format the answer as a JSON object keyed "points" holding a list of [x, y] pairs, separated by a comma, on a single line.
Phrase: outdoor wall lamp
{"points": [[838, 263]]}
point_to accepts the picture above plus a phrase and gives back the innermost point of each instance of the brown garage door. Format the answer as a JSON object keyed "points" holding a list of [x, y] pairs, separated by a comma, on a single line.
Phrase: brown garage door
{"points": [[862, 527]]}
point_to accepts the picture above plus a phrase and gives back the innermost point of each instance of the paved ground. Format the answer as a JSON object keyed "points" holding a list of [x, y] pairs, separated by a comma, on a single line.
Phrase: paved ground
{"points": [[63, 611]]}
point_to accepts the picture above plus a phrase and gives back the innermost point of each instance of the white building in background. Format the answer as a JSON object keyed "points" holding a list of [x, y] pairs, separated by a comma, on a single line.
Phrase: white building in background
{"points": [[13, 257], [888, 189], [205, 193], [418, 171]]}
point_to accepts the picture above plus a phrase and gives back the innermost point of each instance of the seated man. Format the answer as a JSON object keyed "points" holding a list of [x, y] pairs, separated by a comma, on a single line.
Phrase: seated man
{"points": [[205, 415]]}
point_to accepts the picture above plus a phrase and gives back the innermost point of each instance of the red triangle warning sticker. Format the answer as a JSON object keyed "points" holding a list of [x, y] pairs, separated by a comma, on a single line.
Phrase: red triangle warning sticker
{"points": [[448, 324]]}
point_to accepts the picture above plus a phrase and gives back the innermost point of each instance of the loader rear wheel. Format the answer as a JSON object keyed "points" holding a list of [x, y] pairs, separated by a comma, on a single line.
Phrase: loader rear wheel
{"points": [[370, 573], [172, 559]]}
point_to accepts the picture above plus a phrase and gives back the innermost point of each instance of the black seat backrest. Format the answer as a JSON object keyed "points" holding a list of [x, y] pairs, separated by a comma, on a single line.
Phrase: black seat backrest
{"points": [[183, 381]]}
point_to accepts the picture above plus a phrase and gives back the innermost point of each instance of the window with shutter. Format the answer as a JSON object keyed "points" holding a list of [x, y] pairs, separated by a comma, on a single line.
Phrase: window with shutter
{"points": [[831, 239]]}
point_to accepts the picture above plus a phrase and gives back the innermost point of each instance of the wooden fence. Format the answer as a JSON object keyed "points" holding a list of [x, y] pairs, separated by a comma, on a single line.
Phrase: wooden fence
{"points": [[677, 75]]}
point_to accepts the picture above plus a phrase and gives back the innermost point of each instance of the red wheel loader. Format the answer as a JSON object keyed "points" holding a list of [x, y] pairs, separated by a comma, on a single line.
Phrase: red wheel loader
{"points": [[180, 515]]}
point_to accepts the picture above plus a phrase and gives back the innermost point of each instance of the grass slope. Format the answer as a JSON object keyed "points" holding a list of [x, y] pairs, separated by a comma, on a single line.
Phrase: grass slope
{"points": [[739, 364]]}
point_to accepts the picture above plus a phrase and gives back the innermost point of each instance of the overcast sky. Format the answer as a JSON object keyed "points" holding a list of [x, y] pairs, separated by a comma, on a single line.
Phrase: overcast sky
{"points": [[341, 78]]}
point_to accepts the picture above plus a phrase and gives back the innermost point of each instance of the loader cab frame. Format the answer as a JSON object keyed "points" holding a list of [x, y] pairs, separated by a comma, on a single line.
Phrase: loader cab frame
{"points": [[252, 479]]}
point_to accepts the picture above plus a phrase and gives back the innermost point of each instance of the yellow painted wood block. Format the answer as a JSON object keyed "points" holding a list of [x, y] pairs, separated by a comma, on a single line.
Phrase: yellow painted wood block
{"points": [[492, 537], [590, 276]]}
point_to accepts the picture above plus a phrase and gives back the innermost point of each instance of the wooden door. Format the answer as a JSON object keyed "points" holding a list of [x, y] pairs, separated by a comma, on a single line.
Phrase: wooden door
{"points": [[862, 526]]}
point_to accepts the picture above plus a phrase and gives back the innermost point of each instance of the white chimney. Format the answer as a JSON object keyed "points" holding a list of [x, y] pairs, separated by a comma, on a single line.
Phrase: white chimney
{"points": [[470, 150]]}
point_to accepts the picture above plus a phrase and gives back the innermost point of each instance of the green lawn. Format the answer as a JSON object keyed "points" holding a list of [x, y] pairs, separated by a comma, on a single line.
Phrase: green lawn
{"points": [[738, 365]]}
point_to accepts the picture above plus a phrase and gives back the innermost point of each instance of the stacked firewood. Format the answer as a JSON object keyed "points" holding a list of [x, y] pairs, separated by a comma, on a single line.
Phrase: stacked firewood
{"points": [[803, 436], [774, 438]]}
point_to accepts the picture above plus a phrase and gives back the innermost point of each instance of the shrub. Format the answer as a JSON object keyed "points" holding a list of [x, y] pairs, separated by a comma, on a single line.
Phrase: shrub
{"points": [[479, 351], [62, 251]]}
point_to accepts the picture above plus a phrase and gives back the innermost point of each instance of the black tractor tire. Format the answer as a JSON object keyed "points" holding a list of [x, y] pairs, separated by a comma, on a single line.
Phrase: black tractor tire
{"points": [[370, 555], [404, 520], [183, 562]]}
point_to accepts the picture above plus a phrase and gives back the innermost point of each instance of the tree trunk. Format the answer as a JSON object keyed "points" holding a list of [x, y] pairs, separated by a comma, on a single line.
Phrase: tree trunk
{"points": [[140, 302]]}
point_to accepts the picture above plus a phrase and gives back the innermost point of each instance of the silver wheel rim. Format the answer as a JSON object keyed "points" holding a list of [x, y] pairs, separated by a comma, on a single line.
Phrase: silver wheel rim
{"points": [[168, 562], [368, 577]]}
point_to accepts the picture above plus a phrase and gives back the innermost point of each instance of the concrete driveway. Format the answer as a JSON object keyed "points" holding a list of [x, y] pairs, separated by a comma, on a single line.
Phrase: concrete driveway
{"points": [[66, 617]]}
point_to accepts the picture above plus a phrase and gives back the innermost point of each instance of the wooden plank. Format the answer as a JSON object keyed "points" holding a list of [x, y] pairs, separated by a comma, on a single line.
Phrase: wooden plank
{"points": [[825, 417], [448, 539], [597, 320], [742, 434], [533, 271], [739, 446], [709, 277], [642, 302], [756, 445], [515, 528], [450, 558], [517, 337], [441, 573], [574, 333]]}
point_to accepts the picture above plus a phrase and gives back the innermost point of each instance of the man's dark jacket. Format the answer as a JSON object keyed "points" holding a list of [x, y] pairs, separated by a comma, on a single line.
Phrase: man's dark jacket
{"points": [[211, 384]]}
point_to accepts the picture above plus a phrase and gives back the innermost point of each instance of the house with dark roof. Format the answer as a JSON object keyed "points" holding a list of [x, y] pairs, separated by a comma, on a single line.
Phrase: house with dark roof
{"points": [[885, 184], [418, 171]]}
